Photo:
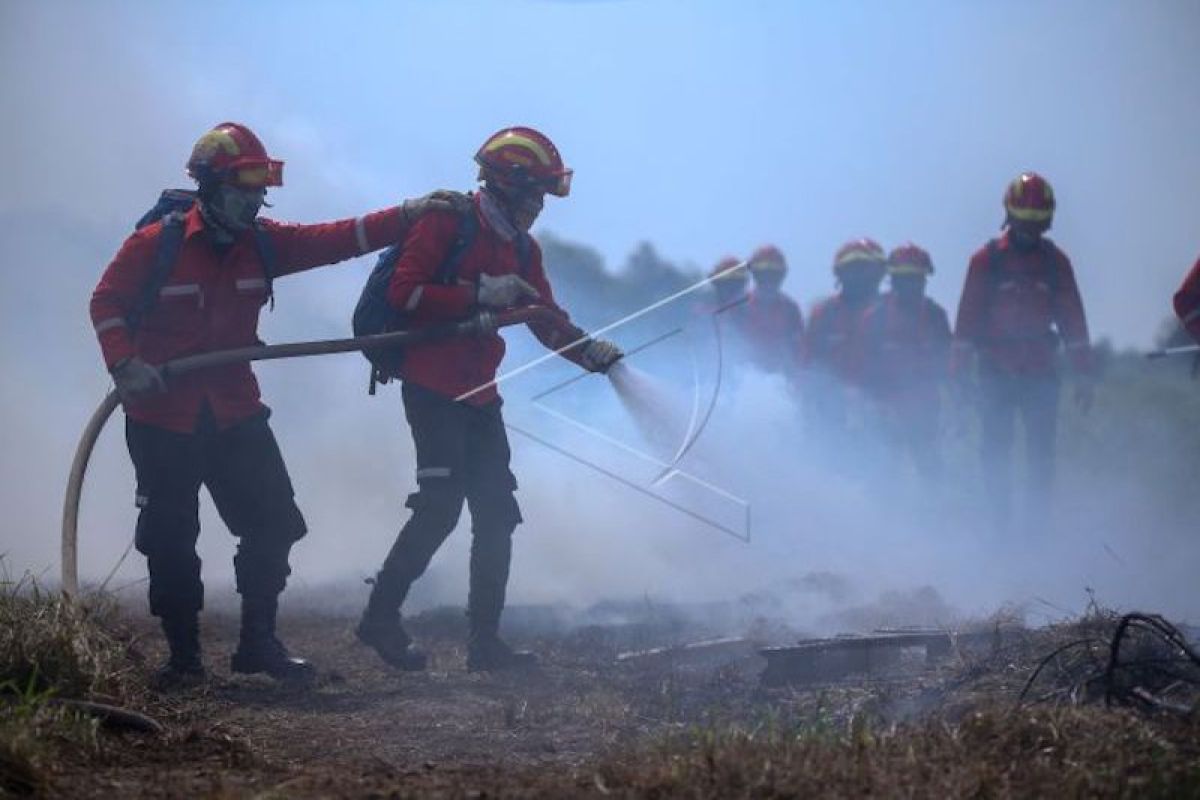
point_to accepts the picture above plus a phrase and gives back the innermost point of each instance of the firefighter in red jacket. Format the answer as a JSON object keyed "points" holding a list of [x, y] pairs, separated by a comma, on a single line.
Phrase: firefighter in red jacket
{"points": [[1019, 301], [832, 352], [724, 305], [730, 280], [209, 426], [906, 343], [772, 322], [451, 402], [1187, 302]]}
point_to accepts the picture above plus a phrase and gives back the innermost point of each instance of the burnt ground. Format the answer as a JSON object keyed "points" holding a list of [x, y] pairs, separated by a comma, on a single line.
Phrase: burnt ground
{"points": [[249, 734], [585, 723]]}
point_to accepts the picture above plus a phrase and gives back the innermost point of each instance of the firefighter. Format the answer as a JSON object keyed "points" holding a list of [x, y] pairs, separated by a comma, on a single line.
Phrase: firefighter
{"points": [[721, 312], [831, 353], [906, 341], [772, 323], [210, 426], [1019, 301], [730, 280], [451, 402], [1187, 302]]}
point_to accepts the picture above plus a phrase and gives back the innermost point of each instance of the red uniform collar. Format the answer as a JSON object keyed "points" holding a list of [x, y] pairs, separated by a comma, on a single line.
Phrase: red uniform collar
{"points": [[193, 221]]}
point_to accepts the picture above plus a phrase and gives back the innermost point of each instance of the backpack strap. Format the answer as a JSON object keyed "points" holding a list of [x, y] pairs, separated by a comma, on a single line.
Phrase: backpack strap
{"points": [[170, 239], [268, 257], [447, 273], [524, 245], [468, 227]]}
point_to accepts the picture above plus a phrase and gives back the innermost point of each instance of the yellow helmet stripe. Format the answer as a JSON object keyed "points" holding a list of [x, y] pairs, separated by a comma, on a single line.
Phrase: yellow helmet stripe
{"points": [[908, 269], [860, 256], [1030, 214], [521, 141]]}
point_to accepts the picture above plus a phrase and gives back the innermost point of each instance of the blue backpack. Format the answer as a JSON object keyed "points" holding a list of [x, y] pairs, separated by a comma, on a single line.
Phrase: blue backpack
{"points": [[374, 314], [171, 207]]}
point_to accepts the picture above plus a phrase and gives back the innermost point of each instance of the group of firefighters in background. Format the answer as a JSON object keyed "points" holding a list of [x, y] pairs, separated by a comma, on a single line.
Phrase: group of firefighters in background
{"points": [[887, 356]]}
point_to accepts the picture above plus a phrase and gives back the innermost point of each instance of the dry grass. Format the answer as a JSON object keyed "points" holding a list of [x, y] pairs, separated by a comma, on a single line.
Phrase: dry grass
{"points": [[74, 648], [585, 726], [991, 753], [52, 648]]}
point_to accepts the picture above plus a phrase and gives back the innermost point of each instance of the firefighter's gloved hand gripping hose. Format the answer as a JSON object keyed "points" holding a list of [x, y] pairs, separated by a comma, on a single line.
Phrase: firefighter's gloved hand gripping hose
{"points": [[474, 326]]}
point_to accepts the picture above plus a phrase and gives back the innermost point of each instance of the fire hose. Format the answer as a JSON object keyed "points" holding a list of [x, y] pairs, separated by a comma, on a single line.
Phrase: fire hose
{"points": [[70, 520], [1167, 352]]}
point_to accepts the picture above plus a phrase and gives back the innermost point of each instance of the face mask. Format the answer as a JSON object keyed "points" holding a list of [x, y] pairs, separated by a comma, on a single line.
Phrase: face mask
{"points": [[860, 284], [768, 282], [909, 287], [1025, 236], [235, 209], [523, 209]]}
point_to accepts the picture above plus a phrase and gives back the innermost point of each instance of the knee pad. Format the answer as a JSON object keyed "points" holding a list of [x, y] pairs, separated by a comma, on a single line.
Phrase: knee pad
{"points": [[438, 504], [276, 519], [495, 514], [261, 566], [164, 527]]}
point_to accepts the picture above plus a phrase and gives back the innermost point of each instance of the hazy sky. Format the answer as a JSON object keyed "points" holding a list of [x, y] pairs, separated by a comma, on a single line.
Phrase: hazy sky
{"points": [[704, 127]]}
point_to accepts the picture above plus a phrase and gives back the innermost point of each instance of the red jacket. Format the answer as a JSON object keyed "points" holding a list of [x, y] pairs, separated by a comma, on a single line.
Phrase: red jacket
{"points": [[1015, 310], [831, 339], [774, 329], [211, 302], [454, 367], [906, 347], [1187, 302]]}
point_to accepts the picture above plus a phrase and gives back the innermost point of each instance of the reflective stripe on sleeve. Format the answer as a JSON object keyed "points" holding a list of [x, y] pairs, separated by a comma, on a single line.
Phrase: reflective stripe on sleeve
{"points": [[414, 299], [108, 324], [180, 290], [433, 472], [245, 284], [360, 234]]}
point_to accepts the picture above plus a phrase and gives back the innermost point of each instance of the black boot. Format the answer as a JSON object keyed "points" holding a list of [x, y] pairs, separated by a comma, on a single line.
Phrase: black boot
{"points": [[491, 554], [259, 651], [183, 668], [389, 639], [487, 652], [380, 627]]}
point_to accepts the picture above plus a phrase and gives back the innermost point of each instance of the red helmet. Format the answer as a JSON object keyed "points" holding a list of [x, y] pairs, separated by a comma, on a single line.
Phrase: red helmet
{"points": [[909, 259], [767, 258], [864, 251], [522, 158], [729, 270], [231, 152], [1029, 198]]}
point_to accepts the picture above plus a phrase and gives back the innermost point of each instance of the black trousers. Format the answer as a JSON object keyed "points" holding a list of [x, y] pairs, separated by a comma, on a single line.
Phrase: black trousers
{"points": [[248, 481], [462, 455], [1034, 399]]}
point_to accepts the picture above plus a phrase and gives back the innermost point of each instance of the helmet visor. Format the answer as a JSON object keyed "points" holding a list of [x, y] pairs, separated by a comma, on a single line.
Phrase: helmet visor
{"points": [[560, 185], [262, 174]]}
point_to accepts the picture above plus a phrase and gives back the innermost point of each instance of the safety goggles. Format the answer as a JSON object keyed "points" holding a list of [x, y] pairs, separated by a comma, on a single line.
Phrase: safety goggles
{"points": [[258, 175]]}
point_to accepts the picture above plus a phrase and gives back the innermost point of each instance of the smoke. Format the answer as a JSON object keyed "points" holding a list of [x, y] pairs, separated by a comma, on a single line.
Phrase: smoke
{"points": [[106, 125]]}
